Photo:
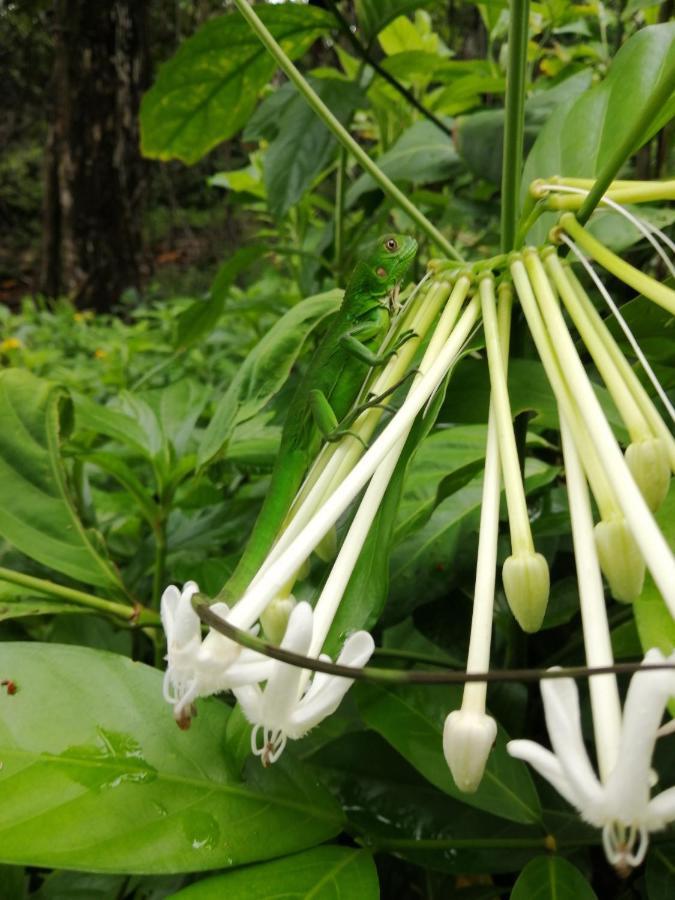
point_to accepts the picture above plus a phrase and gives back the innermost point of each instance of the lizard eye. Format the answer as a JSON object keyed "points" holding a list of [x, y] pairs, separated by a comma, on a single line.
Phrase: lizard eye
{"points": [[391, 244]]}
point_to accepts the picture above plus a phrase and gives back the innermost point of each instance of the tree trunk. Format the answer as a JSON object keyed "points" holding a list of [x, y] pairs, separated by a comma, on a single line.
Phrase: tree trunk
{"points": [[93, 169]]}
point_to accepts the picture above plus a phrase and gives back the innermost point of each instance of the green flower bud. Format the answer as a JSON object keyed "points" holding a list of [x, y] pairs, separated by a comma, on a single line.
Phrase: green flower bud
{"points": [[526, 585], [620, 559], [326, 549], [275, 618], [467, 740], [650, 467]]}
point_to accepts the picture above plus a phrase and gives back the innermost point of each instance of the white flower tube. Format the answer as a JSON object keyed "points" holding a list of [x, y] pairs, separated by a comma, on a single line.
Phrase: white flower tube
{"points": [[254, 601]]}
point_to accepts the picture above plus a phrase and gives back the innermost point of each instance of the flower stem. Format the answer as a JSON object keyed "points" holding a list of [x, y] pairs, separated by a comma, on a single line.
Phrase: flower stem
{"points": [[342, 135], [642, 398], [647, 534], [519, 523], [642, 283], [137, 614], [623, 398], [478, 657], [603, 688], [515, 121]]}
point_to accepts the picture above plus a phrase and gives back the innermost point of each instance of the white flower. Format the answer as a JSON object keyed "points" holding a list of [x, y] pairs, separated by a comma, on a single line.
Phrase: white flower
{"points": [[621, 806], [282, 710], [196, 667]]}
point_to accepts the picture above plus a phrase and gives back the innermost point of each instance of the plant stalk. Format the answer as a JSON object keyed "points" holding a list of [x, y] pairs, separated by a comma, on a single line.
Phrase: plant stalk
{"points": [[514, 124], [139, 615], [342, 135]]}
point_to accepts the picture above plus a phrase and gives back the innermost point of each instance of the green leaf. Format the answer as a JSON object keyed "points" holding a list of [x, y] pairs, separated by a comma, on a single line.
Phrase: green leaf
{"points": [[479, 137], [208, 90], [304, 146], [374, 15], [37, 514], [551, 878], [424, 553], [202, 315], [661, 872], [324, 873], [581, 136], [392, 808], [96, 775], [422, 154], [265, 369], [13, 605], [112, 423], [411, 717]]}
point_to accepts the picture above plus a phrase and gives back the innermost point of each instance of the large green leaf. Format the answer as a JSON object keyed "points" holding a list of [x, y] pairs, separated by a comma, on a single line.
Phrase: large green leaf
{"points": [[207, 92], [551, 878], [301, 145], [422, 154], [392, 808], [581, 136], [96, 775], [37, 514], [480, 137], [411, 719], [324, 873], [265, 369], [420, 562]]}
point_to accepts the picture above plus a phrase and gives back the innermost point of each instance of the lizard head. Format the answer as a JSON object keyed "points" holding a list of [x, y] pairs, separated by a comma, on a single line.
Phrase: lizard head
{"points": [[390, 258]]}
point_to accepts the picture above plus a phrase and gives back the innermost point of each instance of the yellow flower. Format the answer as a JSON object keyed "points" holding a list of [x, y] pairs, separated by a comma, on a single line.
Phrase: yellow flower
{"points": [[100, 354], [12, 343]]}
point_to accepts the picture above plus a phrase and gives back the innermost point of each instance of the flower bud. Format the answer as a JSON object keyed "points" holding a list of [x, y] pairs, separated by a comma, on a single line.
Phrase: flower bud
{"points": [[620, 559], [526, 585], [275, 618], [326, 549], [467, 740], [650, 467]]}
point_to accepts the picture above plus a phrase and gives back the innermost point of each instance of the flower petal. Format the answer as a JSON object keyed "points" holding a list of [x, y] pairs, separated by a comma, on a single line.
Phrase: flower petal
{"points": [[661, 810], [546, 764], [628, 785], [283, 686], [563, 721]]}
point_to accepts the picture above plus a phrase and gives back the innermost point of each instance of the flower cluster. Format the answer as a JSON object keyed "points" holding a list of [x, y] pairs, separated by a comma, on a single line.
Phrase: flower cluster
{"points": [[616, 538]]}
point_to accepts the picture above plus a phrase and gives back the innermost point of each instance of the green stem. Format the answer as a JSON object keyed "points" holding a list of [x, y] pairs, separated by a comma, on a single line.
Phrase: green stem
{"points": [[340, 207], [341, 133], [514, 122], [632, 140], [366, 56], [139, 614], [158, 572]]}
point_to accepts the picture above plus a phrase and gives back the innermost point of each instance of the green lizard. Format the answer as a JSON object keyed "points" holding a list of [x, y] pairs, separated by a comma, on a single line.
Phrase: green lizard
{"points": [[328, 390]]}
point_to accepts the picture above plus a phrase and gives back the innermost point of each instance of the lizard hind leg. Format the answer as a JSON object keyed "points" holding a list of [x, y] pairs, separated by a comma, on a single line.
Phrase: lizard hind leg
{"points": [[327, 422]]}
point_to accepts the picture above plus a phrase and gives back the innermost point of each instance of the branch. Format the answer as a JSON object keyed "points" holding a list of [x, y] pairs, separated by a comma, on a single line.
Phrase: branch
{"points": [[398, 676]]}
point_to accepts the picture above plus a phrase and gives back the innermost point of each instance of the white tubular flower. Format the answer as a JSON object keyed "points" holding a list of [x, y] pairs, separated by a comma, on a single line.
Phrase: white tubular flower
{"points": [[621, 806], [279, 710], [196, 667]]}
